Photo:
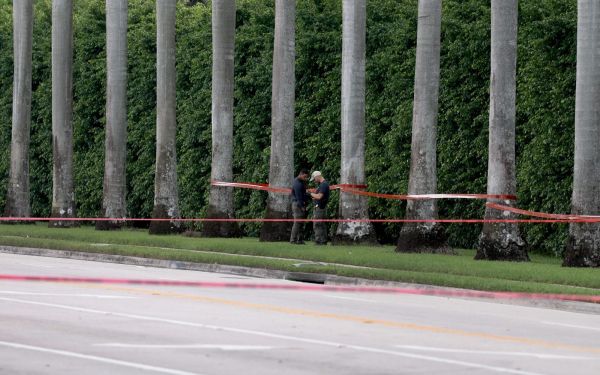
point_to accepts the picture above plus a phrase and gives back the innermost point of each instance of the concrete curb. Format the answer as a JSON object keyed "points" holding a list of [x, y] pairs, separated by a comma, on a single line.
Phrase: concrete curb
{"points": [[327, 279], [146, 262]]}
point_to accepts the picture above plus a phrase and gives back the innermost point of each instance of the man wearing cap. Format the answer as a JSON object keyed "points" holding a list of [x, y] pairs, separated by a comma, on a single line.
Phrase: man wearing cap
{"points": [[299, 202], [320, 197]]}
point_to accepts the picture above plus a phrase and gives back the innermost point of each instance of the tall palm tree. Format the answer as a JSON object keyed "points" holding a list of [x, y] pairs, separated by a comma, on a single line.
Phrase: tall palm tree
{"points": [[583, 245], [17, 200], [281, 171], [425, 237], [353, 125], [63, 194], [220, 205], [165, 177], [502, 241], [113, 202]]}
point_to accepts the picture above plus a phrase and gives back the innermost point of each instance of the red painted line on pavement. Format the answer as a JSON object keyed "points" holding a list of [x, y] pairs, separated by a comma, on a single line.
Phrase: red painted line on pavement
{"points": [[321, 288]]}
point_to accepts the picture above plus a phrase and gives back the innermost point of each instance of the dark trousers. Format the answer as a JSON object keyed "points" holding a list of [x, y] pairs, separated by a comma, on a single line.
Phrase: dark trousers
{"points": [[298, 213], [320, 227]]}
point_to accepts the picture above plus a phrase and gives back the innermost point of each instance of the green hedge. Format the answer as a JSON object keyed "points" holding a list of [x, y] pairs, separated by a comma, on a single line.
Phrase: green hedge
{"points": [[545, 108]]}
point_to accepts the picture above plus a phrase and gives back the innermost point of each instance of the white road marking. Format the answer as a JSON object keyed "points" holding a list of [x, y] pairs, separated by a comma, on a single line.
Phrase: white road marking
{"points": [[236, 277], [65, 353], [188, 346], [34, 264], [279, 336], [572, 326], [349, 298], [11, 292], [489, 352]]}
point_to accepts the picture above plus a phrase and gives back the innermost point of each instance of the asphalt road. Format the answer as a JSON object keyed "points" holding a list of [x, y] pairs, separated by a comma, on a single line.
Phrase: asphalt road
{"points": [[53, 328]]}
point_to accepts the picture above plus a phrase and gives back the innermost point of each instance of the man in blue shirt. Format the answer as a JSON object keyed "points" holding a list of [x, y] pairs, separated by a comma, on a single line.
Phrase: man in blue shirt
{"points": [[299, 203], [320, 197]]}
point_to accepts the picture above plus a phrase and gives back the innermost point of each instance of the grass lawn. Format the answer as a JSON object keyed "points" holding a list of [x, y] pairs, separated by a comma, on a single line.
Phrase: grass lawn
{"points": [[541, 275]]}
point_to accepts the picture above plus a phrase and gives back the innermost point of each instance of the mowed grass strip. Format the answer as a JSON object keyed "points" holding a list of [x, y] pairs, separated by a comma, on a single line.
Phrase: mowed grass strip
{"points": [[542, 274]]}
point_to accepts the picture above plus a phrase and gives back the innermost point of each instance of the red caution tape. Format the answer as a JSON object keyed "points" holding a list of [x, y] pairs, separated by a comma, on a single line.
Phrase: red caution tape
{"points": [[551, 217], [429, 196], [538, 217], [254, 186], [355, 189], [283, 190], [304, 287]]}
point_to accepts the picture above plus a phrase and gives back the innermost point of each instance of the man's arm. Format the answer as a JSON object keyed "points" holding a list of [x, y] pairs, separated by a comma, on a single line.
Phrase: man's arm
{"points": [[321, 190], [316, 196]]}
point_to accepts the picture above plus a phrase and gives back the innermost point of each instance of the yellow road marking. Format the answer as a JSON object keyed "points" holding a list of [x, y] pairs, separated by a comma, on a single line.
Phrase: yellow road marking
{"points": [[350, 318]]}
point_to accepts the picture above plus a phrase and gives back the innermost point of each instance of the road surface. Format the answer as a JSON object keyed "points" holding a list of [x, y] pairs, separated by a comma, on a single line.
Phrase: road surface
{"points": [[58, 328]]}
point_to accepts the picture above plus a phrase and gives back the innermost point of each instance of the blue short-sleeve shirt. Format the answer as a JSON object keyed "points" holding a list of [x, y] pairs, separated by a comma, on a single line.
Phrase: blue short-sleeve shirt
{"points": [[324, 189]]}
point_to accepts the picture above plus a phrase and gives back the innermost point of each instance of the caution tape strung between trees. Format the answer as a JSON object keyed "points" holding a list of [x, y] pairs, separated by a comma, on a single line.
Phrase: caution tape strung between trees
{"points": [[355, 189], [547, 216], [538, 217], [282, 190]]}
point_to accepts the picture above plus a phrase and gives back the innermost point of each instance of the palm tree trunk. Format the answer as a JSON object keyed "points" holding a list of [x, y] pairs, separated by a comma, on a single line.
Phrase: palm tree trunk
{"points": [[165, 177], [425, 237], [353, 125], [63, 194], [220, 205], [583, 245], [281, 165], [17, 200], [113, 202], [502, 241]]}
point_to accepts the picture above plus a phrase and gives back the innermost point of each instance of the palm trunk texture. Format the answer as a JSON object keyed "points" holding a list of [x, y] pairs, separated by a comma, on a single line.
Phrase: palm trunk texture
{"points": [[18, 199], [165, 178], [113, 202], [583, 244], [63, 194], [281, 163], [353, 126], [425, 237], [502, 241], [220, 205]]}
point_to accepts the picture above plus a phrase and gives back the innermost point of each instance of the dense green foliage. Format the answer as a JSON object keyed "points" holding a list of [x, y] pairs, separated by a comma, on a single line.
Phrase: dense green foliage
{"points": [[545, 105]]}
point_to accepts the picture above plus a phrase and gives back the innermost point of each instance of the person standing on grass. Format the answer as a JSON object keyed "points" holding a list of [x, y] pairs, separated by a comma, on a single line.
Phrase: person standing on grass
{"points": [[299, 203], [320, 197]]}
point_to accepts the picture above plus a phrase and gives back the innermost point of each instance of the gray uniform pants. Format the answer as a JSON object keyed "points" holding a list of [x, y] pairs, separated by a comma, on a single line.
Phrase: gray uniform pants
{"points": [[320, 228], [298, 225]]}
